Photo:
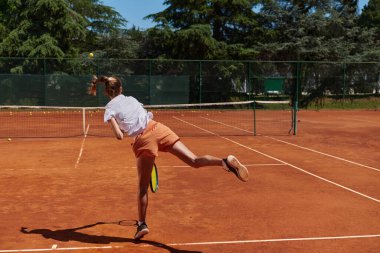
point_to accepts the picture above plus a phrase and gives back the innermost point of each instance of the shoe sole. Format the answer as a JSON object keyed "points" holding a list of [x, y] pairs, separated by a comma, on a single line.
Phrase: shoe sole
{"points": [[240, 168], [141, 234]]}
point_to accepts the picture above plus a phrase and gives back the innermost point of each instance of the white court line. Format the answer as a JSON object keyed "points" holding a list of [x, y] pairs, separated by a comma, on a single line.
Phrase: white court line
{"points": [[203, 243], [298, 146], [275, 240], [238, 128], [327, 122], [82, 146], [159, 166], [291, 165], [321, 153], [247, 165], [187, 166], [57, 249], [360, 120]]}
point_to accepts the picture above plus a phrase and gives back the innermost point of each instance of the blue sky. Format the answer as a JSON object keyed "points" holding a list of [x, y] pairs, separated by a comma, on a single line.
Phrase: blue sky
{"points": [[135, 10]]}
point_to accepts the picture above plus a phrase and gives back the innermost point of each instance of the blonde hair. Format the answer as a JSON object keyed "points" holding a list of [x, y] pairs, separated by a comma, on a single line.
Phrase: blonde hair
{"points": [[112, 85]]}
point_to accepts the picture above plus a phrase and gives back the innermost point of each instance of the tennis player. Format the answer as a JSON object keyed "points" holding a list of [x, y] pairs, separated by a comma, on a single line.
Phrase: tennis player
{"points": [[126, 115]]}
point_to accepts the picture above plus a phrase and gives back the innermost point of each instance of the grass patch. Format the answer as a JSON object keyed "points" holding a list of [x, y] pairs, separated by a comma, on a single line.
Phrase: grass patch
{"points": [[350, 103]]}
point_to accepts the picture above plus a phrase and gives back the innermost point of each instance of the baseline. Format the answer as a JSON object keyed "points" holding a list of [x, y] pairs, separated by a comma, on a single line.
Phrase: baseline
{"points": [[56, 248]]}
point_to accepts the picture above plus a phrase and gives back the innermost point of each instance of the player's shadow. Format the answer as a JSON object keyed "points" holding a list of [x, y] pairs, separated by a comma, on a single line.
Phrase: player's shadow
{"points": [[72, 234]]}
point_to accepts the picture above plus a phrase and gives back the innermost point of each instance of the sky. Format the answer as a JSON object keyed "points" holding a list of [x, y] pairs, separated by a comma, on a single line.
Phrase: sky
{"points": [[134, 11]]}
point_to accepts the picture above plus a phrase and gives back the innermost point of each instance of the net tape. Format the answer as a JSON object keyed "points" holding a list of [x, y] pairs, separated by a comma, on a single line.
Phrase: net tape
{"points": [[168, 106]]}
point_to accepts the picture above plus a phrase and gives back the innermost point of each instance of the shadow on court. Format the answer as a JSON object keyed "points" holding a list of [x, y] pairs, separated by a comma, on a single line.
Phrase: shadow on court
{"points": [[72, 234]]}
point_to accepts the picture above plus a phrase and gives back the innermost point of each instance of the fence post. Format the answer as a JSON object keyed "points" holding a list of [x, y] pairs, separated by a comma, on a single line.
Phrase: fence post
{"points": [[254, 117], [45, 86], [149, 80], [200, 81], [295, 102], [250, 83], [344, 81], [250, 86], [98, 92]]}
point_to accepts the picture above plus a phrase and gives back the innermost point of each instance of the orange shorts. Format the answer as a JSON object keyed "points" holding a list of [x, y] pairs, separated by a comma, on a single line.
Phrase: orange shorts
{"points": [[156, 137]]}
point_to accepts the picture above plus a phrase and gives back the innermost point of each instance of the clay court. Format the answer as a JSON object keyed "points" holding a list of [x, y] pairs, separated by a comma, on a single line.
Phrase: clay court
{"points": [[317, 191]]}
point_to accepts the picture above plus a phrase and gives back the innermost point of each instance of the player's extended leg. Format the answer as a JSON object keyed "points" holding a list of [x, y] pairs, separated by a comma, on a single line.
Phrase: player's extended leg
{"points": [[144, 170], [231, 163], [182, 152]]}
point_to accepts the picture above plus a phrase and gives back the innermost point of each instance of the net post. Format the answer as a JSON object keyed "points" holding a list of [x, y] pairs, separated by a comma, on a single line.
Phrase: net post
{"points": [[295, 109], [84, 120]]}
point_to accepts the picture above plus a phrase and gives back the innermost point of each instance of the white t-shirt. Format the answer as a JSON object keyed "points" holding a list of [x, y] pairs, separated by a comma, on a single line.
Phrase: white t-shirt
{"points": [[129, 113]]}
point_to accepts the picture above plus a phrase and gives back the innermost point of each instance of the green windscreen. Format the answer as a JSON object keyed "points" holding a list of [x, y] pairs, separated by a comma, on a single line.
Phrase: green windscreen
{"points": [[71, 90], [169, 90]]}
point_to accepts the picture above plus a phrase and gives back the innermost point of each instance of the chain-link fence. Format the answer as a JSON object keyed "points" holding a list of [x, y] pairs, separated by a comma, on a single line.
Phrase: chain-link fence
{"points": [[63, 82]]}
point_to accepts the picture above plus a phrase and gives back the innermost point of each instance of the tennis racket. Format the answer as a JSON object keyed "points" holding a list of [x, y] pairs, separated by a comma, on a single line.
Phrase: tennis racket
{"points": [[154, 179]]}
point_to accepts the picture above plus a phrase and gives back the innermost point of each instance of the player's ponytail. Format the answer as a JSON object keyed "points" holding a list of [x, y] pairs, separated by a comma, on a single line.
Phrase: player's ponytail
{"points": [[92, 88], [112, 85]]}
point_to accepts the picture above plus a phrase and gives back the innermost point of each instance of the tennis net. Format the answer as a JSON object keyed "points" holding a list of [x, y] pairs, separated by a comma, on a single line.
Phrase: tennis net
{"points": [[231, 118]]}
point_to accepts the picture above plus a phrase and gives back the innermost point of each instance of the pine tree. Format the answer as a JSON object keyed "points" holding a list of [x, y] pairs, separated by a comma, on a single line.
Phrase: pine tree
{"points": [[41, 28], [221, 26], [313, 31], [370, 16], [56, 28]]}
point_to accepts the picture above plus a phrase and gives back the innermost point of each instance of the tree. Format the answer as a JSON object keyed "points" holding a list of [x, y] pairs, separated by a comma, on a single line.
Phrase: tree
{"points": [[102, 22], [55, 28], [60, 29], [215, 24], [314, 31], [100, 19], [41, 28], [6, 17], [370, 16]]}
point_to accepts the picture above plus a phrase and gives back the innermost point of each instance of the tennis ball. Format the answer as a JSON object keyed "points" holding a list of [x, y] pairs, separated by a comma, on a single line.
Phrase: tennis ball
{"points": [[9, 139], [91, 55]]}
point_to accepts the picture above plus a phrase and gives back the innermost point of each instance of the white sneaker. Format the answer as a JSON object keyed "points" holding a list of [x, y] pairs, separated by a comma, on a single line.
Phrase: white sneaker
{"points": [[232, 164]]}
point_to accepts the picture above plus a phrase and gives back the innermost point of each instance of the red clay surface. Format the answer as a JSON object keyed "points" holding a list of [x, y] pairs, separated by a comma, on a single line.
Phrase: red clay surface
{"points": [[318, 191]]}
